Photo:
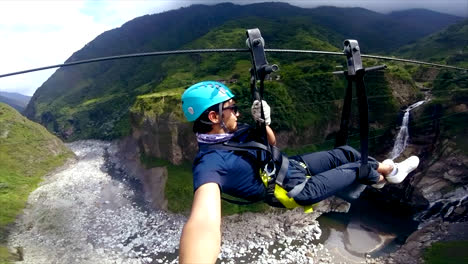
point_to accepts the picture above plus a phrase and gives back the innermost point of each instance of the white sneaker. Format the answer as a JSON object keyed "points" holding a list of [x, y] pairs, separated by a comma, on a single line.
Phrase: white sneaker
{"points": [[401, 169]]}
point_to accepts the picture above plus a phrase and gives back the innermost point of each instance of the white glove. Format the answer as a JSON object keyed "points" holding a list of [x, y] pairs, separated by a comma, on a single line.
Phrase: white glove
{"points": [[256, 112]]}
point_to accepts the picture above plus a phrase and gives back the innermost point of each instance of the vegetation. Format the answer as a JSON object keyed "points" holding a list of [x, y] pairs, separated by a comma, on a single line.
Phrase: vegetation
{"points": [[449, 252], [27, 152], [93, 100], [449, 107], [303, 95], [448, 46], [99, 100]]}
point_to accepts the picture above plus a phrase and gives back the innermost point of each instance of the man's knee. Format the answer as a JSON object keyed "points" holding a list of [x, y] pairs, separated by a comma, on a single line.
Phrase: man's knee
{"points": [[350, 153]]}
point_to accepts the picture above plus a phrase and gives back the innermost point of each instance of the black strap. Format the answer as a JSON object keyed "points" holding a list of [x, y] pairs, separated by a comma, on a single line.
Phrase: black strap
{"points": [[363, 107], [363, 123], [342, 137], [235, 146], [240, 202]]}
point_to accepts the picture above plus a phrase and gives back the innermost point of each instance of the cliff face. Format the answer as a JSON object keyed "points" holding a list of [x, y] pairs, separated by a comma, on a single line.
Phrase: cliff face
{"points": [[439, 187], [159, 129], [437, 191]]}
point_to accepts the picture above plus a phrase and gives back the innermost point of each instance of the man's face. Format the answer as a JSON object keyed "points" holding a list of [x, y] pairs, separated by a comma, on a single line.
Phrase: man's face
{"points": [[230, 114]]}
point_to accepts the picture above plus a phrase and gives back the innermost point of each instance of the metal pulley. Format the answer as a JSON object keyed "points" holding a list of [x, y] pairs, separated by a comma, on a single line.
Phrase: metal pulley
{"points": [[353, 55]]}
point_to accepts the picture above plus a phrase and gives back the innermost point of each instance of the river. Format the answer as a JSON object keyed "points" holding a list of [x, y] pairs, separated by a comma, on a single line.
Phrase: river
{"points": [[368, 229], [89, 213]]}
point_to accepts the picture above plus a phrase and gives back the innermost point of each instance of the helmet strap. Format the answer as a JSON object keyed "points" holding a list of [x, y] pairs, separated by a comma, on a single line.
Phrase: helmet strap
{"points": [[221, 122], [223, 126]]}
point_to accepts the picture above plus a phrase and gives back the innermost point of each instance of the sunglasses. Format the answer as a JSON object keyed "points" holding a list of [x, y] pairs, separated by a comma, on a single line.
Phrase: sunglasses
{"points": [[234, 108]]}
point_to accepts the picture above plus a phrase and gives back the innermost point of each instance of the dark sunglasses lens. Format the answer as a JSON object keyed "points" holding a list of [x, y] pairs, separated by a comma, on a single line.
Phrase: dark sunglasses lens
{"points": [[234, 108]]}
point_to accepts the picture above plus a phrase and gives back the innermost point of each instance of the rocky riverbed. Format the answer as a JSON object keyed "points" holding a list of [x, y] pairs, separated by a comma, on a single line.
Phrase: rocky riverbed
{"points": [[81, 214]]}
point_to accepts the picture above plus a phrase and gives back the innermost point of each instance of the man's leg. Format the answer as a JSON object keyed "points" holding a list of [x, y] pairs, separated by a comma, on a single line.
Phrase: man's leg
{"points": [[331, 171], [318, 162]]}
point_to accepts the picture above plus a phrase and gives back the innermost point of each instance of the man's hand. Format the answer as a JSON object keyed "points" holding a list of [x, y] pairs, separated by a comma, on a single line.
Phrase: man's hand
{"points": [[257, 112]]}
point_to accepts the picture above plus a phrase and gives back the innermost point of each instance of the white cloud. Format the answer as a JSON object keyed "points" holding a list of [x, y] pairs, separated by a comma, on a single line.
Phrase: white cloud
{"points": [[39, 33]]}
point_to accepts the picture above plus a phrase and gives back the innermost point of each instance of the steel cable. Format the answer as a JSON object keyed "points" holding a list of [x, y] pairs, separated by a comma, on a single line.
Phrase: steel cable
{"points": [[176, 52]]}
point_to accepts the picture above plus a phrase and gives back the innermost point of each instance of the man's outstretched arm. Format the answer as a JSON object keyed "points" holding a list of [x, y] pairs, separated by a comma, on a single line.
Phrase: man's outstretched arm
{"points": [[201, 237]]}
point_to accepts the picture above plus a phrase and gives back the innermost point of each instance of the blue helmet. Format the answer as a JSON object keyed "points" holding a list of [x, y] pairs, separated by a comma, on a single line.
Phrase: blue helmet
{"points": [[201, 96]]}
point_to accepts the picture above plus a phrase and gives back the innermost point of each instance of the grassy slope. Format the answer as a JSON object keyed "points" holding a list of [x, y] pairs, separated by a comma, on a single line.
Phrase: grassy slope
{"points": [[27, 152]]}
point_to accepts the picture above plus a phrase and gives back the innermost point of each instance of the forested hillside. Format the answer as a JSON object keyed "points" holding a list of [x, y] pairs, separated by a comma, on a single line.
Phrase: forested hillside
{"points": [[448, 46], [92, 101]]}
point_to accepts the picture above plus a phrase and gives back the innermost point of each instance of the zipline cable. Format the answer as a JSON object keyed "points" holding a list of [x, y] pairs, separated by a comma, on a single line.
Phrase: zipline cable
{"points": [[367, 56], [175, 52], [125, 56]]}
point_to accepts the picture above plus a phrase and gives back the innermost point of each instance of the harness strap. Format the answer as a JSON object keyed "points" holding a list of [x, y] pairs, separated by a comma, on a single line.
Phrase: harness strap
{"points": [[282, 171], [363, 123], [363, 108], [342, 137], [298, 188]]}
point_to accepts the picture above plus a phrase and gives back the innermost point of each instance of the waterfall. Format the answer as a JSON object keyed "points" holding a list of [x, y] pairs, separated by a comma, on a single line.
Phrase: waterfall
{"points": [[401, 140]]}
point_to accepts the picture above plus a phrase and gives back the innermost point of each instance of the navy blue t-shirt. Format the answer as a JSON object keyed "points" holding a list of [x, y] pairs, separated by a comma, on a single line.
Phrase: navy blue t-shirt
{"points": [[236, 172]]}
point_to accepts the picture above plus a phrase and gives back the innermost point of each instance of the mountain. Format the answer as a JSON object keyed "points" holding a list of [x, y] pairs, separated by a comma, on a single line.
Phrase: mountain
{"points": [[448, 46], [92, 100], [381, 33], [15, 100], [27, 152], [425, 21]]}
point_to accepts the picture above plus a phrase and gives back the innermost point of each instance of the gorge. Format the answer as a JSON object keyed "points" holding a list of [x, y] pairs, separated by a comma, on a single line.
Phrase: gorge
{"points": [[106, 207], [124, 200]]}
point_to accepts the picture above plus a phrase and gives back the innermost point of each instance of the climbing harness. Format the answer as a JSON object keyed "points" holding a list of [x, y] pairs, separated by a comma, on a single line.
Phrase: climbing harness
{"points": [[273, 169]]}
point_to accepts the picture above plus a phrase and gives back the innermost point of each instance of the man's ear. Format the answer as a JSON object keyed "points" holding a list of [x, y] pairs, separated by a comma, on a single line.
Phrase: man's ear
{"points": [[213, 117]]}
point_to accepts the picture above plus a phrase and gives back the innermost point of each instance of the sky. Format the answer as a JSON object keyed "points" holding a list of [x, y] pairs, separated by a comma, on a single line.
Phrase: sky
{"points": [[37, 33]]}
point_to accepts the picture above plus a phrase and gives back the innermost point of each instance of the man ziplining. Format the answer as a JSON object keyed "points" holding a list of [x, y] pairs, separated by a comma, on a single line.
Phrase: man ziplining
{"points": [[231, 160]]}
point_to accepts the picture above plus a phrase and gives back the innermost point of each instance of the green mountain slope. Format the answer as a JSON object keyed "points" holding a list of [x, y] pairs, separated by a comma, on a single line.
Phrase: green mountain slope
{"points": [[379, 33], [425, 21], [92, 101], [448, 46], [27, 152]]}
